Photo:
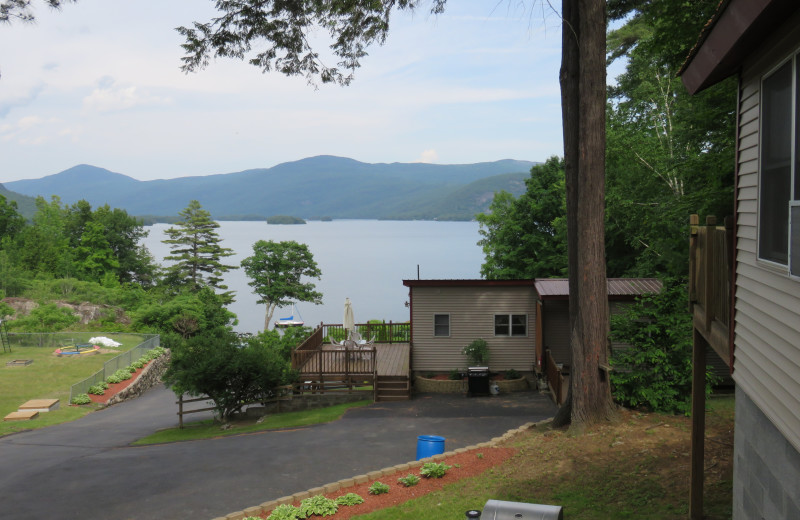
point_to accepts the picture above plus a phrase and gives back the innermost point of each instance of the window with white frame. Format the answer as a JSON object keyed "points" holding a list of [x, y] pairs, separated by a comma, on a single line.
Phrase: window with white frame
{"points": [[441, 324], [779, 183], [510, 325]]}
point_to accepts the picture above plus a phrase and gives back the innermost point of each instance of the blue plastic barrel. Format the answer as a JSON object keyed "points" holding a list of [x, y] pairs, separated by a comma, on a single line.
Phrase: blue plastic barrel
{"points": [[429, 445]]}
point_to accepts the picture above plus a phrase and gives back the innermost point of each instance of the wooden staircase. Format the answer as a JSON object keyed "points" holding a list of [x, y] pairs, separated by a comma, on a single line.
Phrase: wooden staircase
{"points": [[393, 388]]}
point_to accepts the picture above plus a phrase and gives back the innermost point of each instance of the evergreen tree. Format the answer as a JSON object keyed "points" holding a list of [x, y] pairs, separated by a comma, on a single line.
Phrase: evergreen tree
{"points": [[196, 251]]}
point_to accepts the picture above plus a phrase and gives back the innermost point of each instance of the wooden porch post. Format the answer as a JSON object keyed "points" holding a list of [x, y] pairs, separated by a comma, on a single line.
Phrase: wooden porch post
{"points": [[698, 424]]}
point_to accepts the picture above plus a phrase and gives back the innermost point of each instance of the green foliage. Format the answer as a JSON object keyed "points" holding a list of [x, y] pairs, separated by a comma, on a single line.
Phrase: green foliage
{"points": [[131, 369], [137, 364], [45, 318], [276, 270], [218, 366], [186, 314], [350, 499], [378, 488], [285, 512], [512, 374], [477, 353], [123, 374], [318, 505], [81, 399], [284, 219], [456, 375], [196, 251], [97, 389], [113, 379], [409, 480], [655, 371], [525, 237], [434, 469]]}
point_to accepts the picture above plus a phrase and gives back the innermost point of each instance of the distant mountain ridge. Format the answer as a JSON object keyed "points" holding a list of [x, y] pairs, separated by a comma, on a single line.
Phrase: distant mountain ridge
{"points": [[321, 185]]}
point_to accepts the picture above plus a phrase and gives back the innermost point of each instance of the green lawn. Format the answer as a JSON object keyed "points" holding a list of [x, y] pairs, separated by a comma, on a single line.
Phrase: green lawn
{"points": [[49, 377], [210, 429]]}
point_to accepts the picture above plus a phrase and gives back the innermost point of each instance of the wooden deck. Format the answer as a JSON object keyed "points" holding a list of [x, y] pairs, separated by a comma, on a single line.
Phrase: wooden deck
{"points": [[393, 359]]}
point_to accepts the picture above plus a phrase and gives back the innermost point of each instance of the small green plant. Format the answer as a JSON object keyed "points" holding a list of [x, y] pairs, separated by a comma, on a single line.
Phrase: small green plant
{"points": [[430, 375], [456, 375], [285, 512], [113, 379], [318, 505], [349, 499], [123, 374], [512, 374], [378, 488], [409, 480], [477, 353], [480, 455], [434, 469], [137, 364], [96, 389], [81, 399], [131, 369]]}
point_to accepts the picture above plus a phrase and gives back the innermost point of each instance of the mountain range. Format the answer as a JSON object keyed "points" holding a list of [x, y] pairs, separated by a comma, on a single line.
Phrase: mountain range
{"points": [[331, 186]]}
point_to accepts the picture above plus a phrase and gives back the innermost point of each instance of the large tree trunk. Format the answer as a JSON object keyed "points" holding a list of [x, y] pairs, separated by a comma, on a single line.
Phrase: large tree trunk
{"points": [[583, 100]]}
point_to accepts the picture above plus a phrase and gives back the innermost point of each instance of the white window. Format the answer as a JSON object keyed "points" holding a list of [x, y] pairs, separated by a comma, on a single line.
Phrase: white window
{"points": [[510, 325], [441, 325], [779, 183]]}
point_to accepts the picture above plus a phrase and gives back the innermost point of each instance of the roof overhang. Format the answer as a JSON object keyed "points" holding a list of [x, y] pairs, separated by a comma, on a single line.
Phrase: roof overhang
{"points": [[468, 283], [619, 289], [737, 28]]}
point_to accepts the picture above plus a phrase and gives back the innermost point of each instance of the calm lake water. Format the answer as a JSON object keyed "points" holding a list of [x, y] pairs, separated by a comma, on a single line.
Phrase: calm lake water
{"points": [[365, 260]]}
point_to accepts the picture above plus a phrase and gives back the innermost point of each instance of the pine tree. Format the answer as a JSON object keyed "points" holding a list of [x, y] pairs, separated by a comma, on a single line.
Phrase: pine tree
{"points": [[196, 251]]}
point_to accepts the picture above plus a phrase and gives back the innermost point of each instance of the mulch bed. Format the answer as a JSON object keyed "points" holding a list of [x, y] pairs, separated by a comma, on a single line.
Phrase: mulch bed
{"points": [[463, 465], [115, 388]]}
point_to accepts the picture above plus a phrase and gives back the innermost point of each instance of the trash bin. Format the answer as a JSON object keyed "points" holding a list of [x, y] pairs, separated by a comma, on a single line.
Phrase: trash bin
{"points": [[502, 510], [429, 445], [478, 381]]}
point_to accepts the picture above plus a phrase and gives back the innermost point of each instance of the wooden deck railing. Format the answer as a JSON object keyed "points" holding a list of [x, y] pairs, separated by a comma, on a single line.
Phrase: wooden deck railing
{"points": [[557, 378], [710, 282], [378, 332]]}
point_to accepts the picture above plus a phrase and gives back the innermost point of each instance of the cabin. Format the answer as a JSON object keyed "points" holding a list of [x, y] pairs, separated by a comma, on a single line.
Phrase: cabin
{"points": [[522, 321], [758, 41]]}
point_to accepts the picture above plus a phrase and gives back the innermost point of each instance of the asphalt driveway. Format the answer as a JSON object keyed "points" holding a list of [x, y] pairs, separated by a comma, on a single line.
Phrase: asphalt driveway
{"points": [[86, 469]]}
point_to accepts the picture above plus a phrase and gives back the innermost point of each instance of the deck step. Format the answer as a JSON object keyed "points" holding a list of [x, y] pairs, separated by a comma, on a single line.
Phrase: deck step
{"points": [[393, 397], [393, 388]]}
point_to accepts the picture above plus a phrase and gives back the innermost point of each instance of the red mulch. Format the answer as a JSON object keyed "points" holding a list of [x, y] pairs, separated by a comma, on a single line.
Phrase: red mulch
{"points": [[114, 389], [469, 465]]}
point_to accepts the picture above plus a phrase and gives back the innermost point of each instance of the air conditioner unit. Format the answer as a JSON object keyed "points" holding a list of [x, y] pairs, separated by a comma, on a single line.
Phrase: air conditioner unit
{"points": [[794, 238]]}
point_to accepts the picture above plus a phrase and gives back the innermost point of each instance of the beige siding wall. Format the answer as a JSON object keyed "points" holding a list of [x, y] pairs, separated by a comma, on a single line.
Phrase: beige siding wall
{"points": [[555, 321], [767, 348], [471, 311]]}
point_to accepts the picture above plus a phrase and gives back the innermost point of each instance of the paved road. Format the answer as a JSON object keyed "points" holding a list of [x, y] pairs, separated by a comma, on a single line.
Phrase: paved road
{"points": [[86, 469]]}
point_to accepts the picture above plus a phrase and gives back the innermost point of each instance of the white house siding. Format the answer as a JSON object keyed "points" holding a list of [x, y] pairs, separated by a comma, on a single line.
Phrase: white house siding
{"points": [[471, 310], [767, 322]]}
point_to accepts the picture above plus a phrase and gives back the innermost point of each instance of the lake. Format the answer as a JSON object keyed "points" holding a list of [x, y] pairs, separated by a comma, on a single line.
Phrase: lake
{"points": [[364, 260]]}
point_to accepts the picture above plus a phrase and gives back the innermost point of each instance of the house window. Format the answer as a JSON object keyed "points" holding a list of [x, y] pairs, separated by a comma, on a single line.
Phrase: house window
{"points": [[441, 325], [510, 325], [779, 183]]}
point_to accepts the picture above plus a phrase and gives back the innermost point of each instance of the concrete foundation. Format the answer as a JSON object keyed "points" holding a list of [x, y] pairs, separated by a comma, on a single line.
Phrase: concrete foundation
{"points": [[766, 468]]}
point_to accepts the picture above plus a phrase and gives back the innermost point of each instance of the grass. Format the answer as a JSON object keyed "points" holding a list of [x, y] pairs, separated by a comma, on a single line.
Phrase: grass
{"points": [[209, 429], [635, 468], [49, 377]]}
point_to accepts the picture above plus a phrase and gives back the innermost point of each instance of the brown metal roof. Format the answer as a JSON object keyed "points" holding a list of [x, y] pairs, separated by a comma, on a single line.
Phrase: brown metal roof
{"points": [[464, 283], [734, 32], [618, 288]]}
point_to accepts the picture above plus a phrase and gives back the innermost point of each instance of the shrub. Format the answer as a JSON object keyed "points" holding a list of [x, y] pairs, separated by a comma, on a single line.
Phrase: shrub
{"points": [[378, 488], [137, 365], [318, 505], [349, 499], [131, 369], [113, 379], [285, 512], [97, 389], [434, 469], [477, 353], [409, 480], [123, 374], [81, 399], [456, 375], [512, 374]]}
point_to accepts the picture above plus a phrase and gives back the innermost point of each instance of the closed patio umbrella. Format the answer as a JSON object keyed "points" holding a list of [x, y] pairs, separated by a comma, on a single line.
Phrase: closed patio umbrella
{"points": [[349, 321]]}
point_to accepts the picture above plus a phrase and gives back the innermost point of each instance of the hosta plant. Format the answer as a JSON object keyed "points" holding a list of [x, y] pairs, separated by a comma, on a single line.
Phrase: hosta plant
{"points": [[349, 499], [285, 512], [81, 399], [378, 488], [434, 469], [409, 480], [96, 389], [318, 505]]}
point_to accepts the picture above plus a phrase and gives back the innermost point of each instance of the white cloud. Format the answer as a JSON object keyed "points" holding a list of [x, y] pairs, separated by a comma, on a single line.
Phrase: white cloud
{"points": [[428, 156], [112, 98]]}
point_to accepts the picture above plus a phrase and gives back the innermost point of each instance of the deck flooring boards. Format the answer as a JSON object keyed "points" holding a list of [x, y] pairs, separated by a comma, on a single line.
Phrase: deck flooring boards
{"points": [[392, 358]]}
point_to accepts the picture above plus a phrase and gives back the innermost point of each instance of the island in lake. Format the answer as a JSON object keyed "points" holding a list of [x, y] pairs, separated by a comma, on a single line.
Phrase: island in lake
{"points": [[284, 219]]}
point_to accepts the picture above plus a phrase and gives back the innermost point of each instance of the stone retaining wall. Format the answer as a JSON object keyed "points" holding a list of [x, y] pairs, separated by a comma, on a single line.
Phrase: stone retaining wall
{"points": [[449, 386], [148, 378]]}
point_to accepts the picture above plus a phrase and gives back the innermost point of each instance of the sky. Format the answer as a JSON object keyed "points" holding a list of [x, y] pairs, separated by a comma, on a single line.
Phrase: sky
{"points": [[99, 83]]}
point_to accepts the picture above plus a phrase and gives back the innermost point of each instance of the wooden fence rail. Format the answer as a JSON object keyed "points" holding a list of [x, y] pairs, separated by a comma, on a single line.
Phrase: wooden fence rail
{"points": [[556, 378]]}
